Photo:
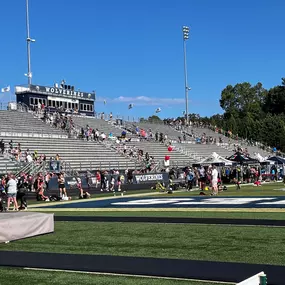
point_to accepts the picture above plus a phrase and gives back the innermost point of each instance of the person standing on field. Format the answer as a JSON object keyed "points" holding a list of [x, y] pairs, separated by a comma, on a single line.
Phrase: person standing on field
{"points": [[12, 192], [215, 180]]}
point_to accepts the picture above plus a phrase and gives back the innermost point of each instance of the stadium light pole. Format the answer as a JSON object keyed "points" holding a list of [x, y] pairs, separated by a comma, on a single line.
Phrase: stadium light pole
{"points": [[29, 41], [185, 31]]}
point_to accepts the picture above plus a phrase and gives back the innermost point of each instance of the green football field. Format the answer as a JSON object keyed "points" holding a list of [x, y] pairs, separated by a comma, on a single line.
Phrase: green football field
{"points": [[227, 243]]}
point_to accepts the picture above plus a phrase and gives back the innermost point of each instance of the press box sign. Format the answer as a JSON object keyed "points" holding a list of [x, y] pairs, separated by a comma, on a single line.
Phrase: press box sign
{"points": [[149, 178], [62, 92]]}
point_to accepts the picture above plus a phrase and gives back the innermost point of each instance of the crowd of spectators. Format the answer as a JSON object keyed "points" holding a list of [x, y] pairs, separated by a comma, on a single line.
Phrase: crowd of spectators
{"points": [[226, 136], [14, 152], [26, 182]]}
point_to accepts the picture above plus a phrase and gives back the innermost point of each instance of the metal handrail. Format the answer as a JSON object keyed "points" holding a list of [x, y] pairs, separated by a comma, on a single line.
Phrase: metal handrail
{"points": [[26, 168]]}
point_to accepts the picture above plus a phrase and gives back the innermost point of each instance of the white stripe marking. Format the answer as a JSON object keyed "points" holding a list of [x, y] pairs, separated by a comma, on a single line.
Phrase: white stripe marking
{"points": [[125, 275]]}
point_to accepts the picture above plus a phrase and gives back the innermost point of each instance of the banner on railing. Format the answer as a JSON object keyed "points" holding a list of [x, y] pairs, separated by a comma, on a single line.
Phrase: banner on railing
{"points": [[149, 178], [54, 166], [86, 182]]}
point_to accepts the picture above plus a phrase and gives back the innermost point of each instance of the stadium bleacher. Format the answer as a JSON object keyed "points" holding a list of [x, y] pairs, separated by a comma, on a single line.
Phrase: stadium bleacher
{"points": [[34, 134], [155, 149], [24, 123], [7, 165]]}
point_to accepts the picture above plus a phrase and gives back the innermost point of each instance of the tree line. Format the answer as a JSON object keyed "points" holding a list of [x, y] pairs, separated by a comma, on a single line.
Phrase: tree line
{"points": [[254, 113], [250, 112]]}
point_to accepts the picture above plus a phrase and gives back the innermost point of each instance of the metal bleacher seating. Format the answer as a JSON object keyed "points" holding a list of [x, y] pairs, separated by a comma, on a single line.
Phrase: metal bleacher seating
{"points": [[155, 149], [16, 123], [33, 134], [229, 149], [197, 151], [194, 149]]}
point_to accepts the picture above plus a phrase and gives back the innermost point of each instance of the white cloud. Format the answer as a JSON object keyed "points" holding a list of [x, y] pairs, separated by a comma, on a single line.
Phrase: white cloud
{"points": [[143, 100]]}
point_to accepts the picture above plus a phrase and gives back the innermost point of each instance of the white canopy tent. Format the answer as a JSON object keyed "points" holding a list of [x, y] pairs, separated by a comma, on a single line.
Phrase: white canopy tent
{"points": [[259, 157], [263, 159], [214, 158]]}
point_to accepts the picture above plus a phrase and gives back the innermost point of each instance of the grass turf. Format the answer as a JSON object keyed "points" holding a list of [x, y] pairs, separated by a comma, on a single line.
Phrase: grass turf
{"points": [[263, 245], [11, 276]]}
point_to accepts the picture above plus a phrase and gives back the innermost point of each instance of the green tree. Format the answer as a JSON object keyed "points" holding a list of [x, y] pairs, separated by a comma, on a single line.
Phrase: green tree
{"points": [[241, 99], [252, 112], [231, 125], [275, 100], [217, 120], [154, 119]]}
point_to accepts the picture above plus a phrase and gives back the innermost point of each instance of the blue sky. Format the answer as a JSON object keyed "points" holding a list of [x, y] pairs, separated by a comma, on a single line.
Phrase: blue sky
{"points": [[131, 51]]}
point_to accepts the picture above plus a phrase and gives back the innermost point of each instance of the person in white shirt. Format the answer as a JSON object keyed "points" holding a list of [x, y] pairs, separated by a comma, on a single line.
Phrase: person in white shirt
{"points": [[215, 180], [12, 192], [29, 158], [112, 184]]}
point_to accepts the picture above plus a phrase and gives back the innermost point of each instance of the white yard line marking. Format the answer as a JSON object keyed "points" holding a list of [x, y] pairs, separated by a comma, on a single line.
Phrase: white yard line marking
{"points": [[125, 275], [249, 210], [98, 199]]}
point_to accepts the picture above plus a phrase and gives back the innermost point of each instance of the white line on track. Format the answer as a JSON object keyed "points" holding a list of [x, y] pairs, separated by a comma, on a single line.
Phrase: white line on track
{"points": [[244, 210], [125, 275], [98, 199]]}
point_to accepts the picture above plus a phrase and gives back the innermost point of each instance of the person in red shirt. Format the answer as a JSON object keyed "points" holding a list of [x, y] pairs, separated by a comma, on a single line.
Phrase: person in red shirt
{"points": [[41, 187], [98, 178]]}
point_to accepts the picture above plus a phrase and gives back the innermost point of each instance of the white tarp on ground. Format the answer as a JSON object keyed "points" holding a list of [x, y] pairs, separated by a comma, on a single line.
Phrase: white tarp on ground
{"points": [[254, 280], [215, 158], [19, 225]]}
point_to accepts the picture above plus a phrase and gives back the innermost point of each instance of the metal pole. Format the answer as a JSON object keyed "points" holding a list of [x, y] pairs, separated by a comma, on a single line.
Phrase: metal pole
{"points": [[186, 83], [28, 43]]}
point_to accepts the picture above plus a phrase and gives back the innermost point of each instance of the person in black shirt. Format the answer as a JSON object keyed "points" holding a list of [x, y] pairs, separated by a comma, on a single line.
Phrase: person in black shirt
{"points": [[61, 186], [103, 181], [21, 194], [156, 136], [2, 146], [130, 176]]}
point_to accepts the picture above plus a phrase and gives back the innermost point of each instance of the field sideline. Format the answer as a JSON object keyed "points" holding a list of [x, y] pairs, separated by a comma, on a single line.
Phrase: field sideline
{"points": [[47, 277], [224, 243]]}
